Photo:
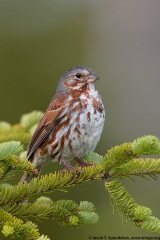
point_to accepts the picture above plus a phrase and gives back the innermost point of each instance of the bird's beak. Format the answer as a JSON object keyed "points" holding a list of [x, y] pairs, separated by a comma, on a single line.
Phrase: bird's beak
{"points": [[92, 78]]}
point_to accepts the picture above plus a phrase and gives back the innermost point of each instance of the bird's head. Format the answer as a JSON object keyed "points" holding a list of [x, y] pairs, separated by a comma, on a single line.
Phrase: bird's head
{"points": [[75, 78]]}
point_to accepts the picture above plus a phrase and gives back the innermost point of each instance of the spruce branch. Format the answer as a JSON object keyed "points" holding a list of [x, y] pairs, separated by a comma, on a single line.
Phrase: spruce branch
{"points": [[139, 167], [22, 131], [93, 158], [8, 149], [67, 212], [15, 227], [122, 199], [117, 156], [15, 133], [151, 224], [4, 125], [125, 160], [28, 120], [139, 215], [24, 138], [10, 160], [48, 183], [146, 145]]}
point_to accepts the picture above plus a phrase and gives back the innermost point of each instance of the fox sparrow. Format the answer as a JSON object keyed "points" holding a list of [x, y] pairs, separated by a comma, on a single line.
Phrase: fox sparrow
{"points": [[72, 124]]}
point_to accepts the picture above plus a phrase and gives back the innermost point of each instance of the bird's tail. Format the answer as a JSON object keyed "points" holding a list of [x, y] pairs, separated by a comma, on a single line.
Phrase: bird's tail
{"points": [[26, 178], [36, 172]]}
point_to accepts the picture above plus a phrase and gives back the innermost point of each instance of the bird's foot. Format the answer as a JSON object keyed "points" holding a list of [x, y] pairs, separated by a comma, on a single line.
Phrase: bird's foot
{"points": [[68, 166], [36, 172], [82, 163]]}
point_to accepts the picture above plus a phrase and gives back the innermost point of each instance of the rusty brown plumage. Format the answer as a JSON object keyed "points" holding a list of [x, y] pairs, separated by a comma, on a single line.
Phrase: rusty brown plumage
{"points": [[73, 122]]}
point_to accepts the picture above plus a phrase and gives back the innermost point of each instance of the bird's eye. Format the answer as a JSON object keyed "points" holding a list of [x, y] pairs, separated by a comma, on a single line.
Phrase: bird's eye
{"points": [[78, 75]]}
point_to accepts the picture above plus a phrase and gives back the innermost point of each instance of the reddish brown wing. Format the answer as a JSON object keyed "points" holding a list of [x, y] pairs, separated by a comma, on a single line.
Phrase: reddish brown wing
{"points": [[54, 113]]}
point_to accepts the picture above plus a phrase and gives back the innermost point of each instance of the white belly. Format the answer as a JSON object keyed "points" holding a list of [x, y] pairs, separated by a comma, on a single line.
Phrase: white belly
{"points": [[85, 135]]}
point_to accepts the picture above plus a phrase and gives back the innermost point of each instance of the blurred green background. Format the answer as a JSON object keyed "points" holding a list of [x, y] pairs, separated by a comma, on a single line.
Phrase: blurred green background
{"points": [[120, 41]]}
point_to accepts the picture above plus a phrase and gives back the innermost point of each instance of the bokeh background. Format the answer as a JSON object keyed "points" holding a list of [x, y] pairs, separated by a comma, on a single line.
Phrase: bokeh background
{"points": [[120, 40]]}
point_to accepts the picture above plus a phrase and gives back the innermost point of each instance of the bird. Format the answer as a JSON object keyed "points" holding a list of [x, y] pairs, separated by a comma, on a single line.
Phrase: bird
{"points": [[72, 124]]}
